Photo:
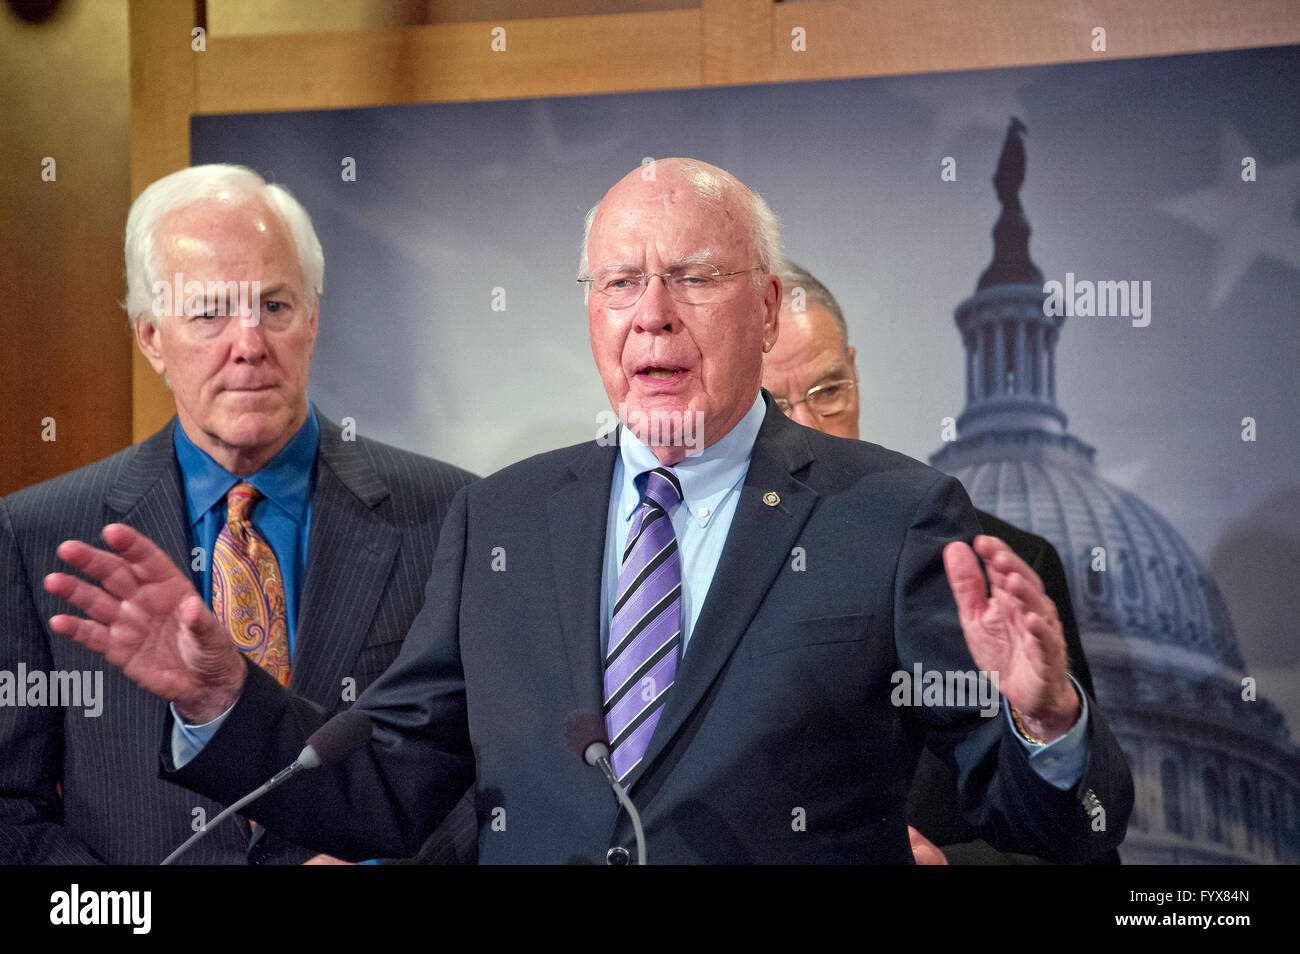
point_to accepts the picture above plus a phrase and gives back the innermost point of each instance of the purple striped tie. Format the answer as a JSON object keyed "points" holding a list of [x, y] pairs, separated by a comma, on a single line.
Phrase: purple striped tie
{"points": [[646, 632]]}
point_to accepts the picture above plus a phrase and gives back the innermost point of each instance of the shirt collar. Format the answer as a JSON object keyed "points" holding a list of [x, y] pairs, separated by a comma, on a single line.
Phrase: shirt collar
{"points": [[705, 478], [285, 480]]}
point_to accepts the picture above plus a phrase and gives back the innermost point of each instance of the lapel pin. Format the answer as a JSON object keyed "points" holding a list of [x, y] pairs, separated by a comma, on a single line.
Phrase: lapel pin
{"points": [[771, 498]]}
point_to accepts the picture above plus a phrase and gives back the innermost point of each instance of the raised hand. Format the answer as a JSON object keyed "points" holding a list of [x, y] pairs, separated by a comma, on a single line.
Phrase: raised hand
{"points": [[1015, 632], [146, 618]]}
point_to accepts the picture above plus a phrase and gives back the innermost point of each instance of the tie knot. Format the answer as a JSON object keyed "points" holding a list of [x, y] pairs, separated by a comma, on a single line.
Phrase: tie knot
{"points": [[240, 501], [663, 489]]}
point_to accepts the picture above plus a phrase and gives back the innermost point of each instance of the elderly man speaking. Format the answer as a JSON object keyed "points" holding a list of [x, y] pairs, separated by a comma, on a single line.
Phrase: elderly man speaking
{"points": [[739, 622]]}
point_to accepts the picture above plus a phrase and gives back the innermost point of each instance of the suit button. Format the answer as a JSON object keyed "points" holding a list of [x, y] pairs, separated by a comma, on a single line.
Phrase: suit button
{"points": [[618, 855]]}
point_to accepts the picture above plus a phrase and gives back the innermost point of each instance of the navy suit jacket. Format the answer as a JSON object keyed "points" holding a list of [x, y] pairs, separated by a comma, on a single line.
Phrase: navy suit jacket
{"points": [[778, 741], [376, 513]]}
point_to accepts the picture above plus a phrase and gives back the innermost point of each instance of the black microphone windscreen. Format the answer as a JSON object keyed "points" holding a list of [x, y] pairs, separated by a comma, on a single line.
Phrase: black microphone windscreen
{"points": [[582, 727], [340, 736]]}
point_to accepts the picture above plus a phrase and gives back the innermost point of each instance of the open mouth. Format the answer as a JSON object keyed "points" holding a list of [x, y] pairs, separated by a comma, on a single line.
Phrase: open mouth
{"points": [[659, 372]]}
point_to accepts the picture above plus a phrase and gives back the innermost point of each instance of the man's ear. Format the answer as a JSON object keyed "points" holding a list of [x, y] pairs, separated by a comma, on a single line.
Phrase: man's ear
{"points": [[853, 362], [148, 339], [772, 312]]}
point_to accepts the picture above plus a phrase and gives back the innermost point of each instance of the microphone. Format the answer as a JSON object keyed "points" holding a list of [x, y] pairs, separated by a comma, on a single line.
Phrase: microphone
{"points": [[584, 731], [333, 742]]}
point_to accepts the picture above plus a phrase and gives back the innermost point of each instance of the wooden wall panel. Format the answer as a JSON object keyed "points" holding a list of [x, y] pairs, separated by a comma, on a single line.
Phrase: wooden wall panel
{"points": [[64, 350], [886, 37], [451, 62], [737, 37]]}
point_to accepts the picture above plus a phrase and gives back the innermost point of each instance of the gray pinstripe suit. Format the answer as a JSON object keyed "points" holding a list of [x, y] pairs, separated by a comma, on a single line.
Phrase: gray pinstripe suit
{"points": [[376, 514]]}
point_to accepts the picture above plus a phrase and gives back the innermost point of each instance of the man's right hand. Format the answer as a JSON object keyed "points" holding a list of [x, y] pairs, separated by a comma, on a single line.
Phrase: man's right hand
{"points": [[146, 618]]}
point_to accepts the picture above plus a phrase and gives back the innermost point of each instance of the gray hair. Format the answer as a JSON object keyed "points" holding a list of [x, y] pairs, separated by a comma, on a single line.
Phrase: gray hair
{"points": [[190, 185], [764, 226], [793, 276]]}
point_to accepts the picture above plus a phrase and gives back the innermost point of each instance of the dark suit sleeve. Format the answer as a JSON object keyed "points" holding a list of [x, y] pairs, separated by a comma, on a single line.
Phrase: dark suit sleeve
{"points": [[1012, 807], [385, 800], [31, 737]]}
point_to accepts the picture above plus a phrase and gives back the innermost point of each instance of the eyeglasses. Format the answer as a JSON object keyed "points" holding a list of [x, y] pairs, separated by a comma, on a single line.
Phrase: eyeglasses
{"points": [[825, 400], [688, 284]]}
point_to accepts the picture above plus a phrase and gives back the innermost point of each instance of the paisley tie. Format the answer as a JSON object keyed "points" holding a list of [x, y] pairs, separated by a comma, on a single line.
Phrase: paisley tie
{"points": [[247, 589]]}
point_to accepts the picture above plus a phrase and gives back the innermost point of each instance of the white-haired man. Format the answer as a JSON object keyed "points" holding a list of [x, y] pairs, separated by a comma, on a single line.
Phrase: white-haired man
{"points": [[731, 622], [312, 545]]}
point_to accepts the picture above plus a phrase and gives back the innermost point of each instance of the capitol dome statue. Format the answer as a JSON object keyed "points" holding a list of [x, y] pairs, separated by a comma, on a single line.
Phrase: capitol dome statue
{"points": [[1217, 776]]}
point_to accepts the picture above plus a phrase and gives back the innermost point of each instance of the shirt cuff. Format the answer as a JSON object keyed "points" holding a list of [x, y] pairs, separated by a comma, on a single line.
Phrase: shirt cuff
{"points": [[189, 740], [1060, 762]]}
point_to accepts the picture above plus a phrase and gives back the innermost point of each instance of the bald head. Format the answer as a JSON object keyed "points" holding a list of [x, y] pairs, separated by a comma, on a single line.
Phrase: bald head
{"points": [[738, 207]]}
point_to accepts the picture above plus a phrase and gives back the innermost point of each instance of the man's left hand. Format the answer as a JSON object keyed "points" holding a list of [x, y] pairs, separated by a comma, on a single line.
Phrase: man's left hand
{"points": [[1015, 632]]}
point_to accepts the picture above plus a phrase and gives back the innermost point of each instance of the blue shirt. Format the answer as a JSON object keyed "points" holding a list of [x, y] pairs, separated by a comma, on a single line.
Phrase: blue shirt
{"points": [[282, 516]]}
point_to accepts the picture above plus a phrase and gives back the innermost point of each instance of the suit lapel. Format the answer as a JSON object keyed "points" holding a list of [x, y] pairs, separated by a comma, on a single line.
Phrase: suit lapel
{"points": [[577, 514], [758, 546], [149, 496], [350, 553]]}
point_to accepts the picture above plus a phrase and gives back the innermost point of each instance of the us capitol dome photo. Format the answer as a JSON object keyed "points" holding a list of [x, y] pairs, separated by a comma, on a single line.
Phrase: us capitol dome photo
{"points": [[1217, 776]]}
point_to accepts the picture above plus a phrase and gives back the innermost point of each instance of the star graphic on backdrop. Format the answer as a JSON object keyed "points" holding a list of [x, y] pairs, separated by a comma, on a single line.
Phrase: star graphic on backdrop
{"points": [[1248, 220]]}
